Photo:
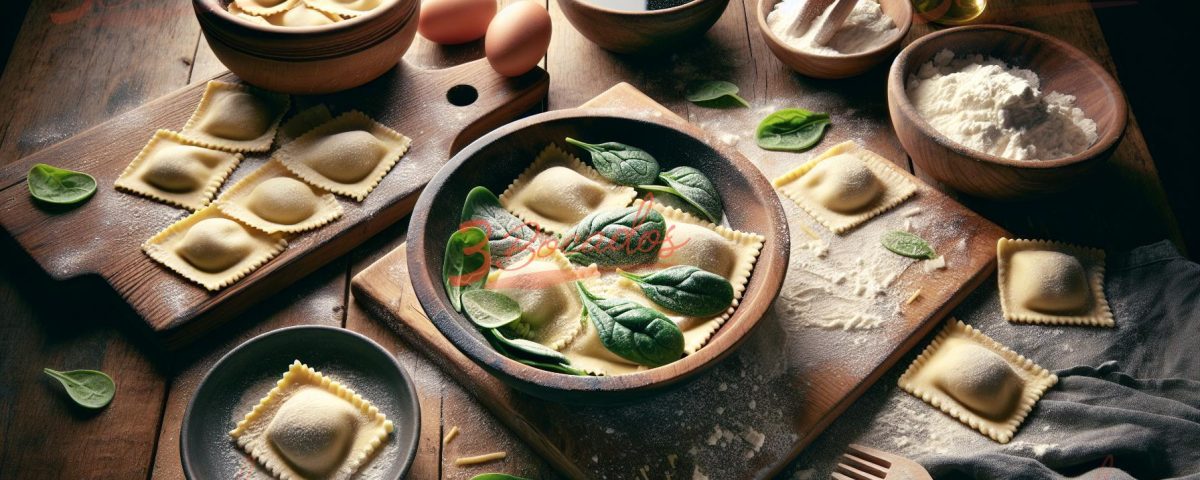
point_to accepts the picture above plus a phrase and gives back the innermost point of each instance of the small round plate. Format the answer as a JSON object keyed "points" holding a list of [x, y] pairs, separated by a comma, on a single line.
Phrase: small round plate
{"points": [[245, 375]]}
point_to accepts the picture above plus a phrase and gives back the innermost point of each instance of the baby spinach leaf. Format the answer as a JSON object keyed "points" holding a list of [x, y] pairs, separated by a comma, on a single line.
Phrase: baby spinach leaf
{"points": [[621, 163], [686, 289], [694, 188], [60, 186], [519, 348], [711, 92], [908, 245], [634, 332], [88, 388], [615, 238], [563, 368], [466, 265], [791, 129], [510, 239], [490, 309]]}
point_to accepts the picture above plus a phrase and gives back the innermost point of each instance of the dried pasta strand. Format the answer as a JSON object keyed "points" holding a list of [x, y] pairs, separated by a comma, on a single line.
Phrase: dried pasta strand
{"points": [[462, 461], [912, 298], [450, 436]]}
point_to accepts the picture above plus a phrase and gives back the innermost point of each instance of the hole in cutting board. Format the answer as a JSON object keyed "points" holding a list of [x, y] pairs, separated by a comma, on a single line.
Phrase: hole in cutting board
{"points": [[462, 95]]}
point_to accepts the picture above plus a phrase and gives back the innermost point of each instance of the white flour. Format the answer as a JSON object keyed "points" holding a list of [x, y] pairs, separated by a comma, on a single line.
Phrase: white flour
{"points": [[989, 106], [865, 29]]}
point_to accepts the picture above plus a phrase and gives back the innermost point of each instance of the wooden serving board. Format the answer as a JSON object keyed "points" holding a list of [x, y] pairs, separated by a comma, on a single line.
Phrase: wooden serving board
{"points": [[751, 415], [103, 237]]}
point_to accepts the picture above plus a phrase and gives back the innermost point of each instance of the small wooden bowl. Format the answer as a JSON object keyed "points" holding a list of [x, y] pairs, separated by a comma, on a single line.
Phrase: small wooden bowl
{"points": [[654, 31], [1060, 66], [310, 60], [496, 159], [836, 66]]}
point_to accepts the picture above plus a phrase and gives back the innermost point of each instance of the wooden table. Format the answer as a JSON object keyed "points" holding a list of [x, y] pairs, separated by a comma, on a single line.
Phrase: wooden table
{"points": [[76, 63]]}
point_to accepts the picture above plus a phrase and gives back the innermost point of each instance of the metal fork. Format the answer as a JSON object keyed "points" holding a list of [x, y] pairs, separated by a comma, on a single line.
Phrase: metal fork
{"points": [[866, 463]]}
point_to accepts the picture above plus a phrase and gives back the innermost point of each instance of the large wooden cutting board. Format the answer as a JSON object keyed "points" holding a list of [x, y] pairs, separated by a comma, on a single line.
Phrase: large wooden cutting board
{"points": [[102, 238], [750, 416]]}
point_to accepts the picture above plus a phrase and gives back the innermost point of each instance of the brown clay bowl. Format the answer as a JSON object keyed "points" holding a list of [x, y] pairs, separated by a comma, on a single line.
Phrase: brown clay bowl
{"points": [[836, 66], [497, 158], [1061, 67], [654, 31], [310, 60]]}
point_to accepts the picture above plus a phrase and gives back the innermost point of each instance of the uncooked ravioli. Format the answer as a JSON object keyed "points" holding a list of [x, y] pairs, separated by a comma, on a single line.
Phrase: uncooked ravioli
{"points": [[544, 289], [349, 8], [562, 194], [273, 199], [978, 378], [690, 244], [348, 155], [313, 431], [174, 170], [264, 7], [215, 244], [1051, 282], [843, 183], [211, 249], [558, 190], [236, 118]]}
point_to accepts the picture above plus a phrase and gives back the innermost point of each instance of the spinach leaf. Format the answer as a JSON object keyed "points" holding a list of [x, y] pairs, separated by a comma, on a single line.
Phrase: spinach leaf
{"points": [[908, 245], [635, 333], [694, 188], [711, 92], [88, 388], [490, 309], [60, 186], [791, 129], [621, 163], [615, 238], [686, 289], [563, 368], [519, 348], [509, 238], [466, 265]]}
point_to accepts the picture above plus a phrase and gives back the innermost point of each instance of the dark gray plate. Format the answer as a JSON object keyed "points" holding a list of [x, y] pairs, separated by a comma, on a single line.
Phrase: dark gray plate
{"points": [[248, 372]]}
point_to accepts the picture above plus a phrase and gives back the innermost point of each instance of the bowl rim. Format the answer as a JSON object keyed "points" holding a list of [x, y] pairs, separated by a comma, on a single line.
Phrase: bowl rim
{"points": [[743, 320], [640, 13], [213, 7], [769, 35], [897, 84]]}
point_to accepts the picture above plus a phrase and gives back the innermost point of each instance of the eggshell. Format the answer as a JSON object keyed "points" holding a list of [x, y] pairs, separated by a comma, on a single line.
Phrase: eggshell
{"points": [[450, 22], [518, 38]]}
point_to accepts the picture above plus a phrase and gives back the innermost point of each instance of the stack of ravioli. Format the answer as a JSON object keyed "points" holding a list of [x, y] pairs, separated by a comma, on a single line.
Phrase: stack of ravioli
{"points": [[302, 13]]}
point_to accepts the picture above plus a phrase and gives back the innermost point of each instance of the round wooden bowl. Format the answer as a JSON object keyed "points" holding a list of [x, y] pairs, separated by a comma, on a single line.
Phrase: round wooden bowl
{"points": [[310, 60], [836, 66], [654, 31], [1061, 67], [496, 159]]}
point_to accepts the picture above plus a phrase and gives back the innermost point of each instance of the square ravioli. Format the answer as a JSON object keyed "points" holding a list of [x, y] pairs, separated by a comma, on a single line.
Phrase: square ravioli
{"points": [[544, 286], [976, 380], [299, 15], [311, 426], [177, 171], [261, 8], [211, 249], [274, 200], [300, 123], [558, 190], [236, 118], [845, 186], [348, 155], [1052, 283], [347, 8]]}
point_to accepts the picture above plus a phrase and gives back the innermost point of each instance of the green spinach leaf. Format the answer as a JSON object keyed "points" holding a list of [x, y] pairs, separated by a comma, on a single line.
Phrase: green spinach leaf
{"points": [[621, 163], [60, 186], [615, 238], [791, 129], [490, 309], [908, 245], [510, 239], [466, 265], [520, 348], [563, 368], [686, 289], [633, 332], [712, 92], [88, 388], [694, 188]]}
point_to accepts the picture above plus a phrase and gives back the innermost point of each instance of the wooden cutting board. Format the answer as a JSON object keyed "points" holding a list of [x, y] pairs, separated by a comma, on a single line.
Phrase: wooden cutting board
{"points": [[102, 238], [751, 415]]}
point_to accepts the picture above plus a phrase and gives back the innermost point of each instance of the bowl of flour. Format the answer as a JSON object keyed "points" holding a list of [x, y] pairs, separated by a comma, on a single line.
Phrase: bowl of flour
{"points": [[1003, 112], [871, 34]]}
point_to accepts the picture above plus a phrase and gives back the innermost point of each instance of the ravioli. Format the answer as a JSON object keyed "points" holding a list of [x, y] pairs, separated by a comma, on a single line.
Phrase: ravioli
{"points": [[211, 249], [977, 380], [299, 15], [348, 155], [263, 7], [303, 121], [544, 288], [274, 200], [558, 190], [347, 8], [1052, 283], [311, 426], [589, 354], [845, 186], [236, 118], [176, 171]]}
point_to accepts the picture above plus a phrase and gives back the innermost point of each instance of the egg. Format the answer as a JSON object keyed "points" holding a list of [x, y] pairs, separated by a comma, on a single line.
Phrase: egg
{"points": [[518, 38], [451, 22]]}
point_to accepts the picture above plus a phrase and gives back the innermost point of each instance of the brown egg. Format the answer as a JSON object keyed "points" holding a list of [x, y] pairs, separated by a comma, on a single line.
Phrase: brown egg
{"points": [[450, 22], [518, 38]]}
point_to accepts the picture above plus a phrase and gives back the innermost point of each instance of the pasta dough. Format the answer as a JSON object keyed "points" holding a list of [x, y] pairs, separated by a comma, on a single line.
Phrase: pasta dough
{"points": [[263, 7], [311, 426], [544, 288], [299, 15], [175, 171], [980, 382], [211, 249], [302, 122], [236, 118], [348, 155], [272, 199], [1052, 283], [845, 186], [558, 190], [347, 8]]}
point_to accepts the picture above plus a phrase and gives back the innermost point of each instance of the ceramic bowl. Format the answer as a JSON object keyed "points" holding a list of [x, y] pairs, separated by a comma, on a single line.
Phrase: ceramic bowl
{"points": [[836, 66], [642, 32]]}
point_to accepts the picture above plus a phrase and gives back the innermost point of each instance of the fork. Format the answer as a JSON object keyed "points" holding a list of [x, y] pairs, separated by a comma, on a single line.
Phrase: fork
{"points": [[866, 463]]}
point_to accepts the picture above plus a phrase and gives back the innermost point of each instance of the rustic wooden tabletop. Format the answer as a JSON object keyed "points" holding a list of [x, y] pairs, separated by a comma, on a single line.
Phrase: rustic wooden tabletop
{"points": [[77, 63]]}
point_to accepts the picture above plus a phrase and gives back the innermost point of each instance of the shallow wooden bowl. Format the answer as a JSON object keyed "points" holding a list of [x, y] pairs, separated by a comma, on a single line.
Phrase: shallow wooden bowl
{"points": [[310, 60], [496, 159], [1060, 66], [626, 31], [836, 66]]}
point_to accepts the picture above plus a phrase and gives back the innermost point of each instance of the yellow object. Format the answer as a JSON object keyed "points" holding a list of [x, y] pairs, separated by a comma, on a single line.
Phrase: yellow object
{"points": [[949, 12]]}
